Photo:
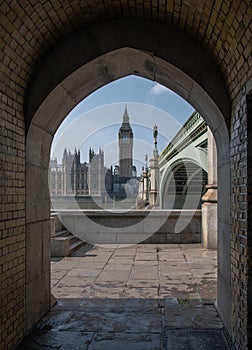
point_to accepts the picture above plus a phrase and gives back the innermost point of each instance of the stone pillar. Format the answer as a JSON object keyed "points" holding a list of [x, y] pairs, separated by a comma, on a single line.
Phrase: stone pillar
{"points": [[209, 206], [145, 186], [141, 187], [154, 190]]}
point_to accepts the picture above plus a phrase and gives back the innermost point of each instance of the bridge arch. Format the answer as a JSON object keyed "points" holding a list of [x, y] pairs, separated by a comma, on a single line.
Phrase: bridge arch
{"points": [[174, 197], [102, 53]]}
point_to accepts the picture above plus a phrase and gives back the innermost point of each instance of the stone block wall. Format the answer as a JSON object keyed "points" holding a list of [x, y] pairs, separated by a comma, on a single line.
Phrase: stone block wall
{"points": [[136, 226]]}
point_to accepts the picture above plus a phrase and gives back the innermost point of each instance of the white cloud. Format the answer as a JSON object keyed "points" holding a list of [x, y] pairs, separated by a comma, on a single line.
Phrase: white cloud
{"points": [[159, 89]]}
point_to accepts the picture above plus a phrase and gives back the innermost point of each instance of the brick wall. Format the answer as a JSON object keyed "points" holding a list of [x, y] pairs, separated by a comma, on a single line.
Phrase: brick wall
{"points": [[239, 226], [249, 199], [221, 27], [12, 222]]}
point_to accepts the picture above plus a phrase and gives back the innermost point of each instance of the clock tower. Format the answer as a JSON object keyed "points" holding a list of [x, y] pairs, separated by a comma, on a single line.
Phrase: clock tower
{"points": [[125, 138]]}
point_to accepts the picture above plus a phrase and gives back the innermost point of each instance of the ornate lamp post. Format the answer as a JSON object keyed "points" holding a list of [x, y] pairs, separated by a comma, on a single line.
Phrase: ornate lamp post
{"points": [[155, 135], [154, 167], [146, 181]]}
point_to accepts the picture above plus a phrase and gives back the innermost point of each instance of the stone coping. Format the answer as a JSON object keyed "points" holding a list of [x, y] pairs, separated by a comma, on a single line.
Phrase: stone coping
{"points": [[100, 212]]}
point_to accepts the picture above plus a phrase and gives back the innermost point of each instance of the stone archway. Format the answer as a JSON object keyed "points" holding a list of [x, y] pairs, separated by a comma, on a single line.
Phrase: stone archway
{"points": [[102, 53]]}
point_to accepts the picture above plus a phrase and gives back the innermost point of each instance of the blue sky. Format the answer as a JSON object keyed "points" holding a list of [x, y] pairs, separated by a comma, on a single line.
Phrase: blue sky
{"points": [[95, 121]]}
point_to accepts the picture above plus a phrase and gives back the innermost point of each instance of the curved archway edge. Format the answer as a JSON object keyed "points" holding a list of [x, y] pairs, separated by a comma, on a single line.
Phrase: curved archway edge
{"points": [[91, 59]]}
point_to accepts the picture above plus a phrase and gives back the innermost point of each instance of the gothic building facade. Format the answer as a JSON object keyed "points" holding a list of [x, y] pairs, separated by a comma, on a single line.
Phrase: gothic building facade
{"points": [[72, 177]]}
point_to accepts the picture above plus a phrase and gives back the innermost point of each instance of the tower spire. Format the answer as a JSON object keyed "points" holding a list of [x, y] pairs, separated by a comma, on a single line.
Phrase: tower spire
{"points": [[125, 115]]}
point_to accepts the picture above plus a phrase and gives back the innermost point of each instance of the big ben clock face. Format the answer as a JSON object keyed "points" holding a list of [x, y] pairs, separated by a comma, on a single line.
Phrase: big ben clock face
{"points": [[124, 137]]}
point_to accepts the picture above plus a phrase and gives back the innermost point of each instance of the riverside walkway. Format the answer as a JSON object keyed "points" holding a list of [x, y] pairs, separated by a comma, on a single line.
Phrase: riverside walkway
{"points": [[145, 296]]}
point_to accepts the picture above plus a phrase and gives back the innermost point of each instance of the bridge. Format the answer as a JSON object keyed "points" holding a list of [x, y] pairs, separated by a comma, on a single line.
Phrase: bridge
{"points": [[183, 166]]}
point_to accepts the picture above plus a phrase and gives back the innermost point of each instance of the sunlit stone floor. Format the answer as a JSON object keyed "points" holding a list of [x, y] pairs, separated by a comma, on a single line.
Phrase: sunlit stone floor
{"points": [[149, 297]]}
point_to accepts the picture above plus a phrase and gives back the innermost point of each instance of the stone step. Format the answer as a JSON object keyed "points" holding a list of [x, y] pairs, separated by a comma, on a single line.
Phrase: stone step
{"points": [[63, 243], [77, 244], [62, 233], [73, 239]]}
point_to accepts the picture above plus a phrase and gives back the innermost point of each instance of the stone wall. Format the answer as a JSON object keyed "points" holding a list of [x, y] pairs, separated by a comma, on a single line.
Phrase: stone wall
{"points": [[132, 227]]}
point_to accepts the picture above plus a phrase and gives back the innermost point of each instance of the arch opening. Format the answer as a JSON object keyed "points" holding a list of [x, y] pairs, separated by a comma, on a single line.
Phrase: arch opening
{"points": [[51, 112]]}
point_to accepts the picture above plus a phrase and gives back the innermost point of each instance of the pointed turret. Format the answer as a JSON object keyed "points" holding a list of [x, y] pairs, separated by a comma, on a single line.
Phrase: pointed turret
{"points": [[125, 115], [125, 123]]}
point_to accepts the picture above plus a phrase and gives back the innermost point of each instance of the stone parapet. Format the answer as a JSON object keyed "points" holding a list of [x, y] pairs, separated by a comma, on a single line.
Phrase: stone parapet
{"points": [[118, 227]]}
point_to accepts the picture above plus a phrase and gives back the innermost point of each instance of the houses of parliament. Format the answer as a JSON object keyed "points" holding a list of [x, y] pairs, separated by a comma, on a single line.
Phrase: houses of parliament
{"points": [[92, 178]]}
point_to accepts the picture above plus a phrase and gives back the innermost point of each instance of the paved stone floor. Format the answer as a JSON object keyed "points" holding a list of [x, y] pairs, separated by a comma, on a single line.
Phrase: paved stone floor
{"points": [[137, 297]]}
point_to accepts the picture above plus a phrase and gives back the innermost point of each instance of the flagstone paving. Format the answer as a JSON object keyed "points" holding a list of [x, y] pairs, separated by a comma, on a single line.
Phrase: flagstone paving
{"points": [[136, 297]]}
